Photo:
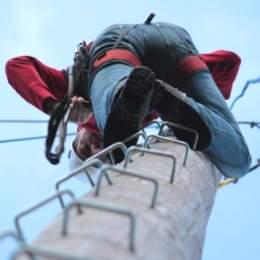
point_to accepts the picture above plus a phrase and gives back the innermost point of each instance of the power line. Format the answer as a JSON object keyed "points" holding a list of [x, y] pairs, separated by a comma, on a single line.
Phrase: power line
{"points": [[27, 138], [248, 82], [251, 123], [24, 121]]}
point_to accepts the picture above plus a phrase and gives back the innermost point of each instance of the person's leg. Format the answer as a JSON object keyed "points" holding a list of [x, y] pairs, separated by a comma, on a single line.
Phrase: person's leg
{"points": [[223, 142], [120, 97], [228, 149], [104, 88]]}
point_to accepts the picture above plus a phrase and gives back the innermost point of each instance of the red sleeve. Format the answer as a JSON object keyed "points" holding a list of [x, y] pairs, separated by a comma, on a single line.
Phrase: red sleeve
{"points": [[224, 66], [34, 81]]}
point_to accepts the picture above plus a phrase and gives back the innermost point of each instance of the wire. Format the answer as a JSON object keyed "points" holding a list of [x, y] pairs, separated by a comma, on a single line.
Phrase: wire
{"points": [[252, 123], [28, 138], [18, 121], [254, 167], [248, 82], [24, 121]]}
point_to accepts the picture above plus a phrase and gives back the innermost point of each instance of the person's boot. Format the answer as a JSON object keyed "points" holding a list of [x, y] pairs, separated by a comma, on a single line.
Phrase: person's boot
{"points": [[172, 106], [130, 107]]}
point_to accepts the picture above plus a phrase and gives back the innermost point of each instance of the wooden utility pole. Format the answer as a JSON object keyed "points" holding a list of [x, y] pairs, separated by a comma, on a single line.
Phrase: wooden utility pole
{"points": [[173, 229]]}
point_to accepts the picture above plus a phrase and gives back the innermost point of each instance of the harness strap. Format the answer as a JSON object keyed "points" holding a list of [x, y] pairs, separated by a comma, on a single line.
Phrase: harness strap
{"points": [[117, 54], [58, 122], [186, 67]]}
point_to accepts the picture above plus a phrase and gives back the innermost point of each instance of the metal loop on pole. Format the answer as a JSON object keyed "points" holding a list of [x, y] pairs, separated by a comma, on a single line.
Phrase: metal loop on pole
{"points": [[106, 168], [75, 172], [184, 128], [109, 149], [134, 136], [165, 139], [153, 152], [103, 207], [32, 252], [36, 207]]}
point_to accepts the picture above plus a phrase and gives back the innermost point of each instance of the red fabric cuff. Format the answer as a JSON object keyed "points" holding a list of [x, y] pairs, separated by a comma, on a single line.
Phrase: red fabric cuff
{"points": [[224, 66]]}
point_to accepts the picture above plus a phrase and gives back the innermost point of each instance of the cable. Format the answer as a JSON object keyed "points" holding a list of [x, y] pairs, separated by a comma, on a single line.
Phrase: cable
{"points": [[26, 121], [252, 123], [248, 82], [28, 138]]}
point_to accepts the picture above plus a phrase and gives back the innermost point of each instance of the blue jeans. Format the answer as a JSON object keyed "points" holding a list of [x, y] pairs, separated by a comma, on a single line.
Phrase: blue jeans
{"points": [[227, 149]]}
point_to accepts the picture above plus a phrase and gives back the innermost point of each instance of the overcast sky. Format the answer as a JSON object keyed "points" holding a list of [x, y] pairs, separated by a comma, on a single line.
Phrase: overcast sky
{"points": [[50, 30]]}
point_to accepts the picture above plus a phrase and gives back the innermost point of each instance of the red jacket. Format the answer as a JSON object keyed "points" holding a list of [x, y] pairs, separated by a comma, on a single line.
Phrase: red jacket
{"points": [[36, 82]]}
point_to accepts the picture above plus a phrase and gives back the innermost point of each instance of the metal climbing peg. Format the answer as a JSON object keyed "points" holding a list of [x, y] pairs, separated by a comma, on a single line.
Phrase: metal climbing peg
{"points": [[107, 168], [78, 170], [183, 128], [132, 150], [36, 207], [165, 139], [102, 207]]}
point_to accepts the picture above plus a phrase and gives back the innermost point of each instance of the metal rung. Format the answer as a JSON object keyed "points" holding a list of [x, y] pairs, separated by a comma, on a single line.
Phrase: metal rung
{"points": [[84, 166], [134, 136], [106, 168], [103, 207], [184, 128], [33, 252], [153, 152], [108, 150], [37, 206], [160, 138]]}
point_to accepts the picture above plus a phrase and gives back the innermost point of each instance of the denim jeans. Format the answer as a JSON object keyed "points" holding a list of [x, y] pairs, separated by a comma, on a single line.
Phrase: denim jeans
{"points": [[103, 89], [227, 150]]}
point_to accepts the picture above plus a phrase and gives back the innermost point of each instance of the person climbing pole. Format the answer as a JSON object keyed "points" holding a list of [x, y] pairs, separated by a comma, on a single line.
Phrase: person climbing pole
{"points": [[135, 69]]}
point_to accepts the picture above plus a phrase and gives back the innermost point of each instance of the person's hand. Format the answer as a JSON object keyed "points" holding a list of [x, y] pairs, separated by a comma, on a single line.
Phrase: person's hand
{"points": [[80, 110]]}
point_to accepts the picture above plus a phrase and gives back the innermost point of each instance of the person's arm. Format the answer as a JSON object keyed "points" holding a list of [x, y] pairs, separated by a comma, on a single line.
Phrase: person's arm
{"points": [[38, 84]]}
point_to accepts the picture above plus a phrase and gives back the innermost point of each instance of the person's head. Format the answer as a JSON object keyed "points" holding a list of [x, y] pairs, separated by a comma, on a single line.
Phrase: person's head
{"points": [[87, 143]]}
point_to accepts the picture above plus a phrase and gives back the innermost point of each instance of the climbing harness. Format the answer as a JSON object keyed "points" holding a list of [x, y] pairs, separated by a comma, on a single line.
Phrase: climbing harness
{"points": [[58, 122], [60, 117]]}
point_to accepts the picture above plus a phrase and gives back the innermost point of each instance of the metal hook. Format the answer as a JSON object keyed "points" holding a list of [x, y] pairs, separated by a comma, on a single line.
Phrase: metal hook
{"points": [[184, 128], [103, 207], [84, 166], [153, 152], [160, 138], [106, 168], [37, 206]]}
